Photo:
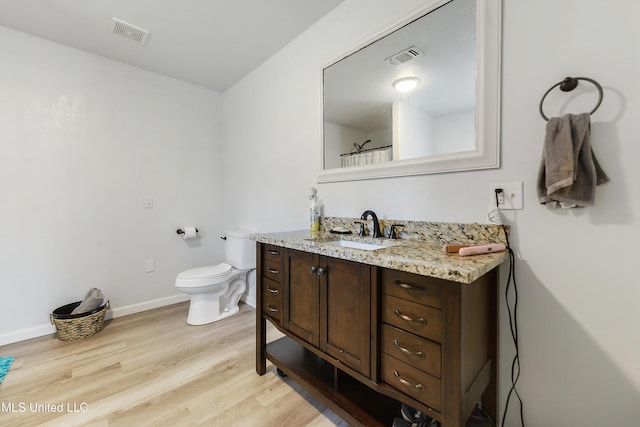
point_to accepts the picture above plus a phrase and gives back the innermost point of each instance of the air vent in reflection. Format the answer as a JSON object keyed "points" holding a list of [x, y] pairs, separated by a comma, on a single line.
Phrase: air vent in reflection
{"points": [[404, 56]]}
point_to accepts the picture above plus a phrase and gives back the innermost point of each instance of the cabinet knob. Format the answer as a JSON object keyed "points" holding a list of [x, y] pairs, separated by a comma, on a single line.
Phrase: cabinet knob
{"points": [[321, 271], [313, 269]]}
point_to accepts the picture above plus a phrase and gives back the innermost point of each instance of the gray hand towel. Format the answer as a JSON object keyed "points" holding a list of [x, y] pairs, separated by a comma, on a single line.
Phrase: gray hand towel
{"points": [[90, 302], [569, 171]]}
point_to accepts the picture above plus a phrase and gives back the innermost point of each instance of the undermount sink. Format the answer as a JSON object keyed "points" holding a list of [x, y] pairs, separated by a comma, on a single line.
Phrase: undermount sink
{"points": [[355, 245]]}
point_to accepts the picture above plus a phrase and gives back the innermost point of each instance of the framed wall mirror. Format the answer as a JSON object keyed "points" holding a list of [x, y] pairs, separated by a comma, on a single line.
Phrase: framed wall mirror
{"points": [[448, 121]]}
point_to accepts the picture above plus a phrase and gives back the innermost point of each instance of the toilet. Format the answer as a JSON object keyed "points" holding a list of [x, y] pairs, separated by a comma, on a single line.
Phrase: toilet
{"points": [[216, 290]]}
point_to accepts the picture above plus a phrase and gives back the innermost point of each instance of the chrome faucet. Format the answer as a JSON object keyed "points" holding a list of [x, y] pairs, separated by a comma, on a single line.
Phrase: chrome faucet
{"points": [[376, 224]]}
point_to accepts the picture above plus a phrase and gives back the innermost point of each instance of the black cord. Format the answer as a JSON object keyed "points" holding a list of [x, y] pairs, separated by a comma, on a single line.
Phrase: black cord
{"points": [[513, 325]]}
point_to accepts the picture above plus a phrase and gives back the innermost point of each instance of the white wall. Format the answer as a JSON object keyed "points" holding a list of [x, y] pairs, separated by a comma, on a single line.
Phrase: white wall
{"points": [[413, 132], [578, 285], [455, 132], [83, 140], [340, 140]]}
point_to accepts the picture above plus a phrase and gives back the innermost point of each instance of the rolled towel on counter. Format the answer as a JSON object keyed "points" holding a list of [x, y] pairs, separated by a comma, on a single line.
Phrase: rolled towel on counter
{"points": [[93, 300]]}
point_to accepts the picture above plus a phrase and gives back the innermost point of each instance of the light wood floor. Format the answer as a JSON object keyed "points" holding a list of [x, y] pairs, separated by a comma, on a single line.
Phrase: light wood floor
{"points": [[152, 369]]}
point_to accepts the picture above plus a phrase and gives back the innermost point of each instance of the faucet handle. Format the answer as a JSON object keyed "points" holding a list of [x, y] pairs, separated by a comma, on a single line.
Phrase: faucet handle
{"points": [[393, 232], [361, 231]]}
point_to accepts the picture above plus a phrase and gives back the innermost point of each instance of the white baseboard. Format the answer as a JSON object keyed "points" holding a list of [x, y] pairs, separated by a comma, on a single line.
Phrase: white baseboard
{"points": [[144, 306], [112, 313], [26, 334]]}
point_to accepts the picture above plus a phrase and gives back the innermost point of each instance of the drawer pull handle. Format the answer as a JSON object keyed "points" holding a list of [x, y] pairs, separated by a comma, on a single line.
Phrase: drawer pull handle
{"points": [[408, 286], [407, 351], [407, 383], [272, 308], [273, 271], [273, 291], [407, 318], [272, 252]]}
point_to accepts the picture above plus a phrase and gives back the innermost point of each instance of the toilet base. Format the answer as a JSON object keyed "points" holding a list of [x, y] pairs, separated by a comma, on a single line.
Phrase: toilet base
{"points": [[202, 317], [211, 307]]}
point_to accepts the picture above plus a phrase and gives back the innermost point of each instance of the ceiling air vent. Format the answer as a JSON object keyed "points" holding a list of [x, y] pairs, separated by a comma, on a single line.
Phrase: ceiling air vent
{"points": [[406, 55], [124, 29]]}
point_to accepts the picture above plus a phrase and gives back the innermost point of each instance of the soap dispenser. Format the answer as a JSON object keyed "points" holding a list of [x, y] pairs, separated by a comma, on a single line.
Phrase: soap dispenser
{"points": [[314, 211]]}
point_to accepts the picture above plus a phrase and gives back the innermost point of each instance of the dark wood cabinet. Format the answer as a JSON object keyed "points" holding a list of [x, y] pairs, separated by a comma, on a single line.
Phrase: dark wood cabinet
{"points": [[362, 339], [327, 304], [269, 265], [271, 291], [302, 296], [345, 294]]}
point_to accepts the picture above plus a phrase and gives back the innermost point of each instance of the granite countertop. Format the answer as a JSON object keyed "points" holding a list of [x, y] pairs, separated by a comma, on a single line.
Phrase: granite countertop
{"points": [[420, 256]]}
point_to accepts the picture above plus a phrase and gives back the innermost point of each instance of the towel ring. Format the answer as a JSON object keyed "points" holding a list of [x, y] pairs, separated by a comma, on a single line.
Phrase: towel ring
{"points": [[569, 84]]}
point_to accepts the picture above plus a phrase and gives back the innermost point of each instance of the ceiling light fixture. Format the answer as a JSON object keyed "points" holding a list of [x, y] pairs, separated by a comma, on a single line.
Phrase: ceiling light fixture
{"points": [[406, 84]]}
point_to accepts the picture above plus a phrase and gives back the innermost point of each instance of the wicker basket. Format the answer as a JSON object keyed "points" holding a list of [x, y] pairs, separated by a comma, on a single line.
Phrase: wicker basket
{"points": [[72, 327]]}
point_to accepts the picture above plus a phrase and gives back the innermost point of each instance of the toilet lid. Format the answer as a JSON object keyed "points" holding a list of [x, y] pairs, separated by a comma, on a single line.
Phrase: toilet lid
{"points": [[209, 271]]}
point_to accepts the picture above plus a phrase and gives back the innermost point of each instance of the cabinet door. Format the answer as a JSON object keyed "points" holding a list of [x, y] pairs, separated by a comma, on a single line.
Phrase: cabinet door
{"points": [[345, 315], [302, 295]]}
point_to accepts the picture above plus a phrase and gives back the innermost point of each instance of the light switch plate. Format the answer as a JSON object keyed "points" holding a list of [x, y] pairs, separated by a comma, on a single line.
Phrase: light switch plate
{"points": [[512, 195], [148, 202]]}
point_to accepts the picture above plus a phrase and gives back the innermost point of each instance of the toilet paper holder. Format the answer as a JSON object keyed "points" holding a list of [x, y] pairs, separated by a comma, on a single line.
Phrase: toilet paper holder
{"points": [[181, 231]]}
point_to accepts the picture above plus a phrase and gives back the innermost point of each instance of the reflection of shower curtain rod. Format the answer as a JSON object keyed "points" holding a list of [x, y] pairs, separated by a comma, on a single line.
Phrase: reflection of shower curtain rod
{"points": [[368, 149]]}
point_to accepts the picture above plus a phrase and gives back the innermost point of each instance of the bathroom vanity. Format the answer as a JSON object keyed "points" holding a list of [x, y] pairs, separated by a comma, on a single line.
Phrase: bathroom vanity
{"points": [[367, 327]]}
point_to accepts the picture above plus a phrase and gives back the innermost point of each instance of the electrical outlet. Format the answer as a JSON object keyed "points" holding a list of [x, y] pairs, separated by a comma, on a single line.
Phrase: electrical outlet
{"points": [[511, 195], [150, 265], [148, 202]]}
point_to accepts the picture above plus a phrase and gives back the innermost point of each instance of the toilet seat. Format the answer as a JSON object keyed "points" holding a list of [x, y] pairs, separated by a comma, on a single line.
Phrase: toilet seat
{"points": [[203, 276]]}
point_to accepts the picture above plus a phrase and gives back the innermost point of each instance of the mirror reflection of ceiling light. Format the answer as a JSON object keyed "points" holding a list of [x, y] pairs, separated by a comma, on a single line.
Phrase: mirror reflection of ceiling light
{"points": [[406, 84]]}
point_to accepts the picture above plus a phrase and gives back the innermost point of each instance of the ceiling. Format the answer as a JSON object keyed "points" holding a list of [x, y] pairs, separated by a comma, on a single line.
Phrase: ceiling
{"points": [[212, 43]]}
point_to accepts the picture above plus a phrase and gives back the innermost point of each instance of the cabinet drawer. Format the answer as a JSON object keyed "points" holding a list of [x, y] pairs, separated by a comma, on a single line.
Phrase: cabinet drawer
{"points": [[272, 269], [411, 381], [272, 307], [415, 318], [412, 287], [273, 253], [271, 289], [418, 352]]}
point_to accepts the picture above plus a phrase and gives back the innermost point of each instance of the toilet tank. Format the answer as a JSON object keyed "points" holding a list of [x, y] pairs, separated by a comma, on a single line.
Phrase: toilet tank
{"points": [[240, 249]]}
